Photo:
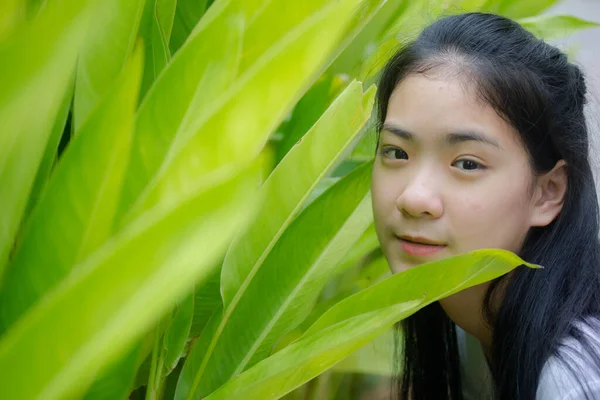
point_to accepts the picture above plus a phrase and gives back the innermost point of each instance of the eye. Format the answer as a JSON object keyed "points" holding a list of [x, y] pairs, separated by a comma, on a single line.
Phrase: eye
{"points": [[394, 153], [468, 165]]}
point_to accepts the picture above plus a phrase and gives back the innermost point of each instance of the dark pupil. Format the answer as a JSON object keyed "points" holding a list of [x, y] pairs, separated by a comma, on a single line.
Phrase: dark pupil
{"points": [[470, 165], [398, 153]]}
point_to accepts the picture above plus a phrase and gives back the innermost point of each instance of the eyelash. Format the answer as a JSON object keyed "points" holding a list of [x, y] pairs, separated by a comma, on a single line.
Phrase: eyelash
{"points": [[384, 151]]}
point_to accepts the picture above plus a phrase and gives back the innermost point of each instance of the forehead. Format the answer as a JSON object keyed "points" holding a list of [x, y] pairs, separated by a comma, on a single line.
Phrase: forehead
{"points": [[435, 106]]}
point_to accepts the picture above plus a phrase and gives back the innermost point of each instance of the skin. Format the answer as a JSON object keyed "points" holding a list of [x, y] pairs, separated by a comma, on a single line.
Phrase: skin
{"points": [[463, 194]]}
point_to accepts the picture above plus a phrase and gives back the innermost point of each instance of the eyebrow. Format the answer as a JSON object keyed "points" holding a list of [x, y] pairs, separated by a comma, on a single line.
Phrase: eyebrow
{"points": [[450, 139]]}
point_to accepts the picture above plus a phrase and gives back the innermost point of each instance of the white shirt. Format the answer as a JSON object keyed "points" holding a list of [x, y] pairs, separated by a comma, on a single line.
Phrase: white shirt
{"points": [[557, 381]]}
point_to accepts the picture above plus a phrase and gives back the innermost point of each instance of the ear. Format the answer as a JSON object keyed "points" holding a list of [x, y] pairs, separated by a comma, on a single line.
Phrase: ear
{"points": [[549, 195]]}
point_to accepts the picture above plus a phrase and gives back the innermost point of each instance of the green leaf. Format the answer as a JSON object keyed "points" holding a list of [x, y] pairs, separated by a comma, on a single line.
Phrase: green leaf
{"points": [[518, 8], [375, 358], [106, 49], [358, 276], [12, 14], [550, 27], [366, 147], [362, 317], [362, 248], [327, 228], [117, 380], [177, 332], [247, 91], [118, 292], [314, 103], [198, 74], [325, 145], [207, 300], [76, 213], [431, 282], [368, 39], [187, 15], [155, 29], [308, 110], [279, 17], [49, 158], [42, 56], [311, 355]]}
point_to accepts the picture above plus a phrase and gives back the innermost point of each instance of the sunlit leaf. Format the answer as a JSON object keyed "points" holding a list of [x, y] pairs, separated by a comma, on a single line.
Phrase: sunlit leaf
{"points": [[327, 228], [518, 8], [373, 358], [51, 152], [39, 60], [177, 332], [182, 92], [550, 27], [76, 213], [117, 380], [308, 110], [187, 15], [207, 300], [12, 13], [362, 317], [155, 29], [311, 355], [107, 47], [431, 282], [122, 289], [319, 151]]}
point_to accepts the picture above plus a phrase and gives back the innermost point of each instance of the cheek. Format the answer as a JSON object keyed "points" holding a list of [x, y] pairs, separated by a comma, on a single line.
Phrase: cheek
{"points": [[383, 195], [495, 218]]}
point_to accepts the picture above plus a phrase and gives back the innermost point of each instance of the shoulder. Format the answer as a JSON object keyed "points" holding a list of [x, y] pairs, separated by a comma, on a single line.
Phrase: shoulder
{"points": [[573, 373]]}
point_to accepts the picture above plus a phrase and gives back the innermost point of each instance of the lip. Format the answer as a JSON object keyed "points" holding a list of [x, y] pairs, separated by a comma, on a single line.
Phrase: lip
{"points": [[420, 246]]}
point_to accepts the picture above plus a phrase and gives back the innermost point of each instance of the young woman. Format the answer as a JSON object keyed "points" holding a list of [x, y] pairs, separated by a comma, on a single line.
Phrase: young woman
{"points": [[483, 144]]}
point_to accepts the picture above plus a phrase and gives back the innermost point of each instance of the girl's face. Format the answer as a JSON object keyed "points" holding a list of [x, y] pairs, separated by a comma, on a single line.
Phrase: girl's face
{"points": [[449, 172]]}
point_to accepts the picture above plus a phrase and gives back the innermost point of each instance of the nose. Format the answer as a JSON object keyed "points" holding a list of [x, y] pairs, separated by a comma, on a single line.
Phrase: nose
{"points": [[421, 197]]}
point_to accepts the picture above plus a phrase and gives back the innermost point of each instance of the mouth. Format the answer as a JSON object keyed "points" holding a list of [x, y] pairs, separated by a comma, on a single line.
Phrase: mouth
{"points": [[419, 246]]}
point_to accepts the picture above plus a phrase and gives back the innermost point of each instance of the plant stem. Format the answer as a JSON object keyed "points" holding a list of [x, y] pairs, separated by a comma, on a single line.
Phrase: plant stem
{"points": [[156, 365]]}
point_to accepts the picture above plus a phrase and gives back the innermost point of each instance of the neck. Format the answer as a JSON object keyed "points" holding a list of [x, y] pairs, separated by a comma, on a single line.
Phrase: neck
{"points": [[465, 309]]}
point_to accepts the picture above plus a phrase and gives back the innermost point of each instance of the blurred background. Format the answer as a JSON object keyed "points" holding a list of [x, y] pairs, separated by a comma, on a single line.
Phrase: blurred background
{"points": [[586, 46]]}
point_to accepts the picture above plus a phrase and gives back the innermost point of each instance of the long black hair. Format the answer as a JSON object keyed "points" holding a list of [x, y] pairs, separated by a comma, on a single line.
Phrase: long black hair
{"points": [[534, 87]]}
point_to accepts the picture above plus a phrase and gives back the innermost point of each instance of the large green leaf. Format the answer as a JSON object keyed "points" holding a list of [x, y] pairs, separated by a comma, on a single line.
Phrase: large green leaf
{"points": [[359, 274], [187, 15], [116, 381], [207, 300], [550, 27], [51, 152], [107, 47], [39, 58], [155, 29], [327, 229], [250, 89], [408, 18], [314, 103], [303, 360], [118, 292], [375, 358], [324, 146], [76, 213], [12, 13], [430, 282], [308, 110], [276, 18], [352, 323], [518, 8], [198, 74], [177, 332]]}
